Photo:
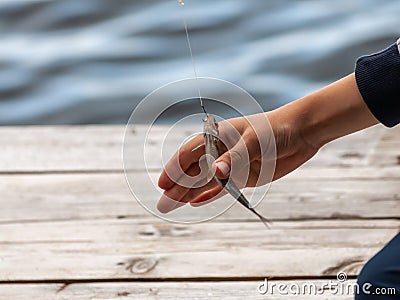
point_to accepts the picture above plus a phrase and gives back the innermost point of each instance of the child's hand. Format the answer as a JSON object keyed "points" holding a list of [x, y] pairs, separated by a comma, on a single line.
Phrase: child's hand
{"points": [[299, 129], [249, 162]]}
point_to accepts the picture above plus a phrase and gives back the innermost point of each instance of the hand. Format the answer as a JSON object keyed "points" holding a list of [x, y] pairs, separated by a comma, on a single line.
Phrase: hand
{"points": [[249, 162], [299, 130]]}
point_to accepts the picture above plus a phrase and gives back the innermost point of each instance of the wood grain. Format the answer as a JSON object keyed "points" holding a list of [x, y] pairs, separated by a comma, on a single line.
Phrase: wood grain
{"points": [[362, 193], [236, 290], [124, 249], [99, 148], [68, 217]]}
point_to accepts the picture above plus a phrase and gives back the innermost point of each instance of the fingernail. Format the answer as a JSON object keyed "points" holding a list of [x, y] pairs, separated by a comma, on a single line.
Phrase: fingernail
{"points": [[223, 167]]}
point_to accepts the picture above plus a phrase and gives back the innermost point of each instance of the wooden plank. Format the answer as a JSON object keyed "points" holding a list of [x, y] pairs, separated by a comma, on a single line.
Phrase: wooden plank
{"points": [[236, 290], [98, 148], [375, 146], [300, 233], [83, 261], [165, 290], [60, 148], [85, 226], [72, 148], [124, 249], [341, 173], [91, 196], [387, 152]]}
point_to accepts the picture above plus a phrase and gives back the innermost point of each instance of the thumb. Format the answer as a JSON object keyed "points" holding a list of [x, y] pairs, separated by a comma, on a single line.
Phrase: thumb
{"points": [[234, 157]]}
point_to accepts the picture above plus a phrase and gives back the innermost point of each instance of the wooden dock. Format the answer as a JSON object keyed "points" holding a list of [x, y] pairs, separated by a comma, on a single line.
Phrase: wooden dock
{"points": [[70, 229]]}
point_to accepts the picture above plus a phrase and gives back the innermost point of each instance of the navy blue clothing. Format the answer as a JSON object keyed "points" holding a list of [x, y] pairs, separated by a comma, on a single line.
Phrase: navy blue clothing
{"points": [[378, 79], [380, 277]]}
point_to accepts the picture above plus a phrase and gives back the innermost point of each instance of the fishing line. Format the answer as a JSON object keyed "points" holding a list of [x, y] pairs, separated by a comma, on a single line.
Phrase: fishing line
{"points": [[192, 58]]}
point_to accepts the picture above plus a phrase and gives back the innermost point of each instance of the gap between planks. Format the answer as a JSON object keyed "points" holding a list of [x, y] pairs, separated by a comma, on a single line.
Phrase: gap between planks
{"points": [[171, 279], [216, 220]]}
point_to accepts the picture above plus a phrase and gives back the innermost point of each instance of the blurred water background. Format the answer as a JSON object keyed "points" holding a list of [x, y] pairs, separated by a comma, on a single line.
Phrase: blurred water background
{"points": [[92, 61]]}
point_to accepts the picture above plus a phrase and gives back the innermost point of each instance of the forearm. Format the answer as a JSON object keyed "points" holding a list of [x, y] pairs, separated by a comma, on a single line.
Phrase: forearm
{"points": [[329, 113]]}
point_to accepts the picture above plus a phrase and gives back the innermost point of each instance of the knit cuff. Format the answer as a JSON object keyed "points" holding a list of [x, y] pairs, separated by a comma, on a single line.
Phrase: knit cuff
{"points": [[378, 79]]}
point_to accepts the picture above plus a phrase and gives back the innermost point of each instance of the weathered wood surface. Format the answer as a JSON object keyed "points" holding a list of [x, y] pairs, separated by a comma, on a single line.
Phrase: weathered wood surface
{"points": [[165, 291], [68, 216], [127, 249], [99, 148], [168, 291], [52, 197]]}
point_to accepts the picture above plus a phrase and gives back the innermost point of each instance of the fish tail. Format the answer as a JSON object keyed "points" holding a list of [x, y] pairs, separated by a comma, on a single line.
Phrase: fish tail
{"points": [[266, 222], [242, 199]]}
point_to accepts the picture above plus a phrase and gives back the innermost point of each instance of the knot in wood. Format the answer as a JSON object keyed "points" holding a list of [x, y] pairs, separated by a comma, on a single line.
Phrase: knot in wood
{"points": [[141, 265]]}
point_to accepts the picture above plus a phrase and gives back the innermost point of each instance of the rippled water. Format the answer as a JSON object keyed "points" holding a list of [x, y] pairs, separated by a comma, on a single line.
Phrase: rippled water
{"points": [[91, 61]]}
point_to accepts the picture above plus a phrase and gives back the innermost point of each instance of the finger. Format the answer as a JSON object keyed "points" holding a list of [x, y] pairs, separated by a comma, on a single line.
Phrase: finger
{"points": [[178, 164], [208, 196], [179, 193], [238, 157], [166, 204], [181, 161], [192, 194], [178, 196]]}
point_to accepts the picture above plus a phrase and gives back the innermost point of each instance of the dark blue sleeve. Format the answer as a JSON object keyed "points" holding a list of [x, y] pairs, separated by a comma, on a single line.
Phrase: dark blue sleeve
{"points": [[378, 79]]}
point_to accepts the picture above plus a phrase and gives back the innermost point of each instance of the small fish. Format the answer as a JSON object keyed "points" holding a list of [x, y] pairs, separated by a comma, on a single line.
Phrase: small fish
{"points": [[181, 3], [213, 151]]}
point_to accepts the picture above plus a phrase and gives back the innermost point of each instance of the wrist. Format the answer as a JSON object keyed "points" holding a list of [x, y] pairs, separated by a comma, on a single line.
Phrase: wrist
{"points": [[330, 113], [292, 127]]}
